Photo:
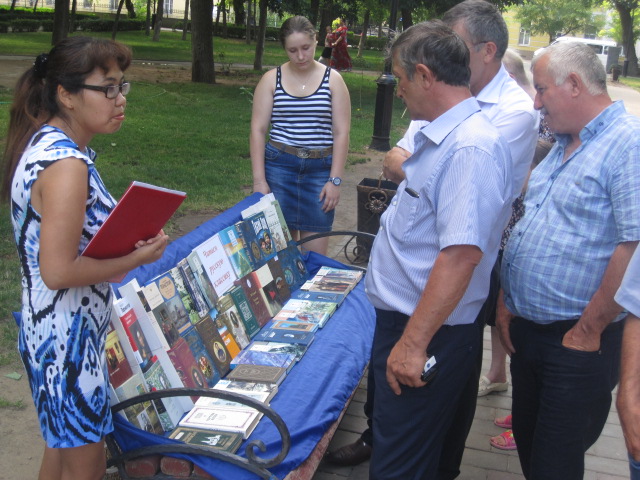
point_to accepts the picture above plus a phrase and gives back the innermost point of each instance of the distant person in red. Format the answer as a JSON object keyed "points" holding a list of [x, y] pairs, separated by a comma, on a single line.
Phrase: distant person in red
{"points": [[340, 58]]}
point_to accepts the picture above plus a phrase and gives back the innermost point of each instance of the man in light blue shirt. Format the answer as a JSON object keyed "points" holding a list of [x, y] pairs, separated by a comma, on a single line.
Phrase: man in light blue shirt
{"points": [[563, 263], [628, 297], [431, 260]]}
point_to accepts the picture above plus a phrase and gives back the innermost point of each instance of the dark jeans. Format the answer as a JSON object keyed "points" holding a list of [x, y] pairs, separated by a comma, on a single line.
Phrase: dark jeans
{"points": [[409, 429], [561, 397]]}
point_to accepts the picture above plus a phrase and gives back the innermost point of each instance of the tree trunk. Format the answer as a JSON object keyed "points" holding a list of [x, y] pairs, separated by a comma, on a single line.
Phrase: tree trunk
{"points": [[314, 9], [216, 25], [326, 11], [131, 9], [72, 20], [224, 20], [407, 17], [117, 19], [185, 20], [13, 5], [248, 34], [158, 24], [238, 7], [365, 29], [262, 30], [202, 65], [147, 26], [60, 21], [625, 11]]}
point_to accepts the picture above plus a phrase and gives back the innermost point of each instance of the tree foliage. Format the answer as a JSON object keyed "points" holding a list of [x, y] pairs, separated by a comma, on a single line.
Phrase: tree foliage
{"points": [[555, 17]]}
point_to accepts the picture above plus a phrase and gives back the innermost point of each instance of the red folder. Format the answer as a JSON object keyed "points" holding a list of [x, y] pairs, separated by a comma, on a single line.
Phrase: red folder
{"points": [[139, 215]]}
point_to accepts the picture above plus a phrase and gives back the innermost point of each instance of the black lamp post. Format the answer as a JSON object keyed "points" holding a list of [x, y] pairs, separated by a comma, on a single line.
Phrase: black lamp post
{"points": [[384, 96]]}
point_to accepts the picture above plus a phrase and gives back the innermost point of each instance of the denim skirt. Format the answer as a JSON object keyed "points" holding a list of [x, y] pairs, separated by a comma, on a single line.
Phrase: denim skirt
{"points": [[296, 183]]}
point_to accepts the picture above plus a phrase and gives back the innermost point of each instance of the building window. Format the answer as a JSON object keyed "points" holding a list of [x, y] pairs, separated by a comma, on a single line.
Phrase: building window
{"points": [[525, 37]]}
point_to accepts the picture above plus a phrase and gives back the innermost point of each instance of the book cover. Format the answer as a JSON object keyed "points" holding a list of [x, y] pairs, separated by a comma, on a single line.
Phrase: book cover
{"points": [[229, 316], [293, 325], [211, 402], [206, 364], [307, 311], [329, 279], [267, 284], [216, 264], [225, 441], [275, 222], [117, 364], [193, 288], [214, 344], [235, 249], [257, 239], [168, 308], [135, 335], [160, 315], [142, 415], [268, 334], [247, 388], [253, 357], [296, 349], [329, 297], [203, 281], [227, 419], [183, 292], [293, 267], [185, 364], [156, 379], [229, 340], [247, 316], [250, 285], [258, 374], [282, 287], [139, 215]]}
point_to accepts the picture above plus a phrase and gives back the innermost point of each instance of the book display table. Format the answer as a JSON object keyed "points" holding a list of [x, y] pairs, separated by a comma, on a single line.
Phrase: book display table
{"points": [[309, 401]]}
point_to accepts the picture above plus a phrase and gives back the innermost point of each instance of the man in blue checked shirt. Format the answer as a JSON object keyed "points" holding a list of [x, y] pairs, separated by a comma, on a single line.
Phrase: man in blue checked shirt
{"points": [[430, 264], [564, 262]]}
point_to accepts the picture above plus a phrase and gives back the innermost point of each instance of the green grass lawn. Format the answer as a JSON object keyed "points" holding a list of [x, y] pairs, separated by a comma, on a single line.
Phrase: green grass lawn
{"points": [[192, 137]]}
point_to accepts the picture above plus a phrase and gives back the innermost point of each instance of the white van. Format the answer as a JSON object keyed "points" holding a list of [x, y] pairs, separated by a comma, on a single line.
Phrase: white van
{"points": [[601, 47]]}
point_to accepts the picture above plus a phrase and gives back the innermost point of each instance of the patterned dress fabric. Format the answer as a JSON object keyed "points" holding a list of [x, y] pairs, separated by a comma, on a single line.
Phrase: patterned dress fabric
{"points": [[62, 334], [340, 58]]}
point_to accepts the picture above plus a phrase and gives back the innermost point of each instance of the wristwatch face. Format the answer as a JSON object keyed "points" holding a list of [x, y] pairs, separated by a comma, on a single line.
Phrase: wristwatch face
{"points": [[335, 180]]}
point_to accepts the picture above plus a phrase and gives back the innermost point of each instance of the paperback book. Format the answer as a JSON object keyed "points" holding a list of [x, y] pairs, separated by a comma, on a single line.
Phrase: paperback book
{"points": [[229, 315], [274, 217], [258, 373], [329, 279], [206, 364], [235, 249], [242, 421], [296, 349], [253, 357], [293, 267], [247, 316], [225, 441], [117, 364], [216, 265], [308, 311], [214, 344], [257, 239], [269, 334]]}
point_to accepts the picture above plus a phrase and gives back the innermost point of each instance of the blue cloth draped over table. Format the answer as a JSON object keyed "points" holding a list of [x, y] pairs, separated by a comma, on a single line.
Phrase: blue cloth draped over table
{"points": [[316, 389]]}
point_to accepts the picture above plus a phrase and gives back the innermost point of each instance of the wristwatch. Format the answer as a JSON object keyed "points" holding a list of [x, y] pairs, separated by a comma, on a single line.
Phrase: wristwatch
{"points": [[335, 180]]}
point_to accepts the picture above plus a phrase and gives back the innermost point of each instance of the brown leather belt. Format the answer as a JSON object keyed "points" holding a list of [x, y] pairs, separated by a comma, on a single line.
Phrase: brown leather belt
{"points": [[302, 152]]}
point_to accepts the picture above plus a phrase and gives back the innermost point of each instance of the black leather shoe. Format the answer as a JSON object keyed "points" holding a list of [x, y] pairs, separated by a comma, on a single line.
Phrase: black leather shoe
{"points": [[353, 454]]}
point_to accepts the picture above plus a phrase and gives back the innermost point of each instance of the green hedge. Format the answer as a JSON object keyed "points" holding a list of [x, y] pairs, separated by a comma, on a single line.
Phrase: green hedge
{"points": [[106, 25]]}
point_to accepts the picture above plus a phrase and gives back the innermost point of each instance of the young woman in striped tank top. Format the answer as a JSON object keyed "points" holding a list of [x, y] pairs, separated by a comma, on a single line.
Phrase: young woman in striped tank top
{"points": [[308, 108]]}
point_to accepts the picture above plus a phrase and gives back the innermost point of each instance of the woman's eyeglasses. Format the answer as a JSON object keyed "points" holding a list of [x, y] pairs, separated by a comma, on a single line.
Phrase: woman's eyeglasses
{"points": [[110, 91]]}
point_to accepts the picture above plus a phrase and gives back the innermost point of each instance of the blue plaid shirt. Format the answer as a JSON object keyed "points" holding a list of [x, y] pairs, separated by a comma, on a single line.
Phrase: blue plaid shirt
{"points": [[576, 213]]}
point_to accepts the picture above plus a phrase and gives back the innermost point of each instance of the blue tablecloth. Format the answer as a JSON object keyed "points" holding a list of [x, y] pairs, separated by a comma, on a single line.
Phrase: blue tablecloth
{"points": [[315, 391]]}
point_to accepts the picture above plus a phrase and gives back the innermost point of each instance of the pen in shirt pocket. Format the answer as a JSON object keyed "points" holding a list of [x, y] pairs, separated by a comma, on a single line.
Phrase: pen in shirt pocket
{"points": [[412, 192]]}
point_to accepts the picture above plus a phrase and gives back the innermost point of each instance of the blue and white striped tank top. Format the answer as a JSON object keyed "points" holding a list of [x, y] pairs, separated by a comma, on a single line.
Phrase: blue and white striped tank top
{"points": [[302, 121]]}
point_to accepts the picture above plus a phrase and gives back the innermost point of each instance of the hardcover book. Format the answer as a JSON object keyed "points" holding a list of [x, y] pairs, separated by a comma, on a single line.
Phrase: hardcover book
{"points": [[229, 340], [211, 402], [139, 215], [156, 379], [330, 279], [293, 325], [226, 419], [142, 415], [252, 357], [307, 311], [168, 308], [296, 349], [206, 364], [239, 386], [250, 285], [293, 267], [257, 239], [268, 334], [258, 373], [214, 344], [247, 316], [282, 287], [193, 288], [274, 217], [185, 364], [117, 364], [229, 316], [225, 441], [202, 279], [235, 249], [216, 264], [136, 337], [329, 297], [183, 293]]}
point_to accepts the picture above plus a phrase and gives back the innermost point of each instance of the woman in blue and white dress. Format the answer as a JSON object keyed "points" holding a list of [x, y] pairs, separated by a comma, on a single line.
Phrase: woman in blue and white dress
{"points": [[58, 202]]}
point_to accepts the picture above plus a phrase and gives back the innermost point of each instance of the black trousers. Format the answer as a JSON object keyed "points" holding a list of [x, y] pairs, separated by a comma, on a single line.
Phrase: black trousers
{"points": [[409, 430]]}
